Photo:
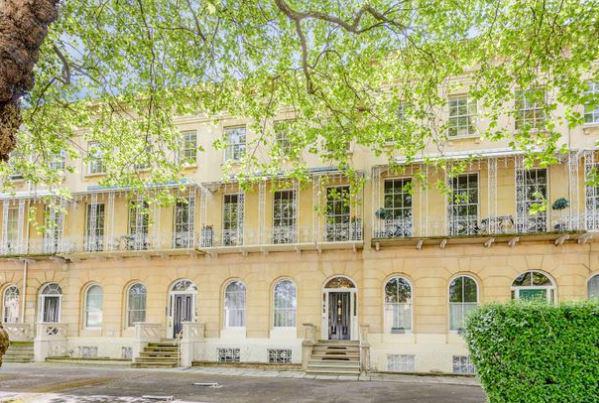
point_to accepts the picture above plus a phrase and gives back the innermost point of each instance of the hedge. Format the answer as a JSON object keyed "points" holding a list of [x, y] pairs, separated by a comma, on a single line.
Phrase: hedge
{"points": [[534, 352]]}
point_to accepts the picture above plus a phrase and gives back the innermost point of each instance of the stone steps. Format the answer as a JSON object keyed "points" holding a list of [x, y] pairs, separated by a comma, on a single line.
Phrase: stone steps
{"points": [[335, 358], [19, 352], [164, 354]]}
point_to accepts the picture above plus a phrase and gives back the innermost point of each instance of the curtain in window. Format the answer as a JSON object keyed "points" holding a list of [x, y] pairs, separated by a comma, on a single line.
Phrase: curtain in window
{"points": [[285, 304], [463, 299], [93, 306], [398, 305], [235, 305], [136, 307]]}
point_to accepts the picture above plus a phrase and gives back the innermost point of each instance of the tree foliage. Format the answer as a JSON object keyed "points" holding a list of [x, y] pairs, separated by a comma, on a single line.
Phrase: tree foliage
{"points": [[534, 352], [371, 73]]}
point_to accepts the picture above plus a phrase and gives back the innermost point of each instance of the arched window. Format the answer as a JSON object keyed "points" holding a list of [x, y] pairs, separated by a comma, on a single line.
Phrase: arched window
{"points": [[50, 297], [93, 306], [285, 304], [594, 287], [136, 304], [235, 304], [11, 305], [533, 285], [463, 299], [398, 305]]}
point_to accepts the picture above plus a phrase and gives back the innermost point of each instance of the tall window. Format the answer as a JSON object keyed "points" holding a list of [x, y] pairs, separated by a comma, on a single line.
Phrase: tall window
{"points": [[11, 305], [50, 297], [136, 304], [93, 307], [95, 163], [591, 110], [398, 208], [54, 219], [531, 192], [533, 285], [189, 147], [233, 220], [284, 206], [285, 304], [530, 109], [463, 205], [462, 115], [184, 216], [12, 229], [235, 304], [398, 305], [94, 227], [463, 299], [57, 161], [138, 225], [593, 287], [235, 138], [338, 211], [282, 136]]}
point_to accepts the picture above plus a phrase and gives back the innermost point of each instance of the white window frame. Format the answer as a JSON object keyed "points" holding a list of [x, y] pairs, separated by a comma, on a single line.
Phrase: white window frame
{"points": [[226, 311], [524, 107], [550, 290], [58, 161], [86, 308], [42, 301], [406, 220], [593, 279], [282, 135], [183, 227], [409, 305], [463, 108], [188, 150], [128, 322], [235, 151], [95, 163], [240, 213], [95, 242], [338, 228], [591, 116], [453, 219], [462, 304], [17, 296], [284, 226], [523, 217], [289, 313]]}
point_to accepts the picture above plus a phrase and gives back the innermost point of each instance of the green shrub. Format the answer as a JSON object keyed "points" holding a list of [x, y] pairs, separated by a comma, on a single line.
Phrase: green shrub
{"points": [[533, 352]]}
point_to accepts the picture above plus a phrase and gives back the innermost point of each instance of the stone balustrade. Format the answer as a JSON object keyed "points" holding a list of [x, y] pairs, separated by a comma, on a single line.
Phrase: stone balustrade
{"points": [[50, 341], [191, 342], [19, 331]]}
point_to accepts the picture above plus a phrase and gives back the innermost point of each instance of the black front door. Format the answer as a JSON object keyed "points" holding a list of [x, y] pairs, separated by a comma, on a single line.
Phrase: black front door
{"points": [[339, 320], [183, 304]]}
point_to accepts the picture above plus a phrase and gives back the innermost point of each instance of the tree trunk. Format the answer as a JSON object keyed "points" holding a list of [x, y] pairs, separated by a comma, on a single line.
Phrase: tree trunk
{"points": [[23, 27]]}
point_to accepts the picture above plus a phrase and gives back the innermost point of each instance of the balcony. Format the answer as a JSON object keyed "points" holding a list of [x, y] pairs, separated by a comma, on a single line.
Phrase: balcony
{"points": [[488, 230]]}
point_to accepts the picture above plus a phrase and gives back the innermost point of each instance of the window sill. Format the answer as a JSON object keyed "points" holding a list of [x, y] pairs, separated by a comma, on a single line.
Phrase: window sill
{"points": [[95, 175], [464, 137], [591, 126]]}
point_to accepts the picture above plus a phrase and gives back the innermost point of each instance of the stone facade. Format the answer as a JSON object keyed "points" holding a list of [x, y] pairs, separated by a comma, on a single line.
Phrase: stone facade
{"points": [[429, 253]]}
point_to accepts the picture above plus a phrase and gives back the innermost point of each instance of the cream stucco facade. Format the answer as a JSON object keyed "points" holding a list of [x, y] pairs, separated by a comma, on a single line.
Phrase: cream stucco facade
{"points": [[286, 231]]}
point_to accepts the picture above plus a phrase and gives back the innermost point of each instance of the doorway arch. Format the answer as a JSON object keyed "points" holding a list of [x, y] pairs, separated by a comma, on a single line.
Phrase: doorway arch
{"points": [[339, 309], [182, 306]]}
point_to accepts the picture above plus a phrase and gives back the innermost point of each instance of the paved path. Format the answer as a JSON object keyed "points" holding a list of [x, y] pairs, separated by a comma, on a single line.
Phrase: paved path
{"points": [[62, 383]]}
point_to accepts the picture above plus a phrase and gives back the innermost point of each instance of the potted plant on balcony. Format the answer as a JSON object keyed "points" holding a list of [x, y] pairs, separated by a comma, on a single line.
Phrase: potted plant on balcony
{"points": [[558, 205]]}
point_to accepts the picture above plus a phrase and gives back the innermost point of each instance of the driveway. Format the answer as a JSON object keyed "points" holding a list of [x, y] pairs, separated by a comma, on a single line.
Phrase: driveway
{"points": [[67, 383]]}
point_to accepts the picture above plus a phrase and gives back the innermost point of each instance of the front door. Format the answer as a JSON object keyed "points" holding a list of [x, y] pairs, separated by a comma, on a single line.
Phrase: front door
{"points": [[183, 305], [339, 316]]}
